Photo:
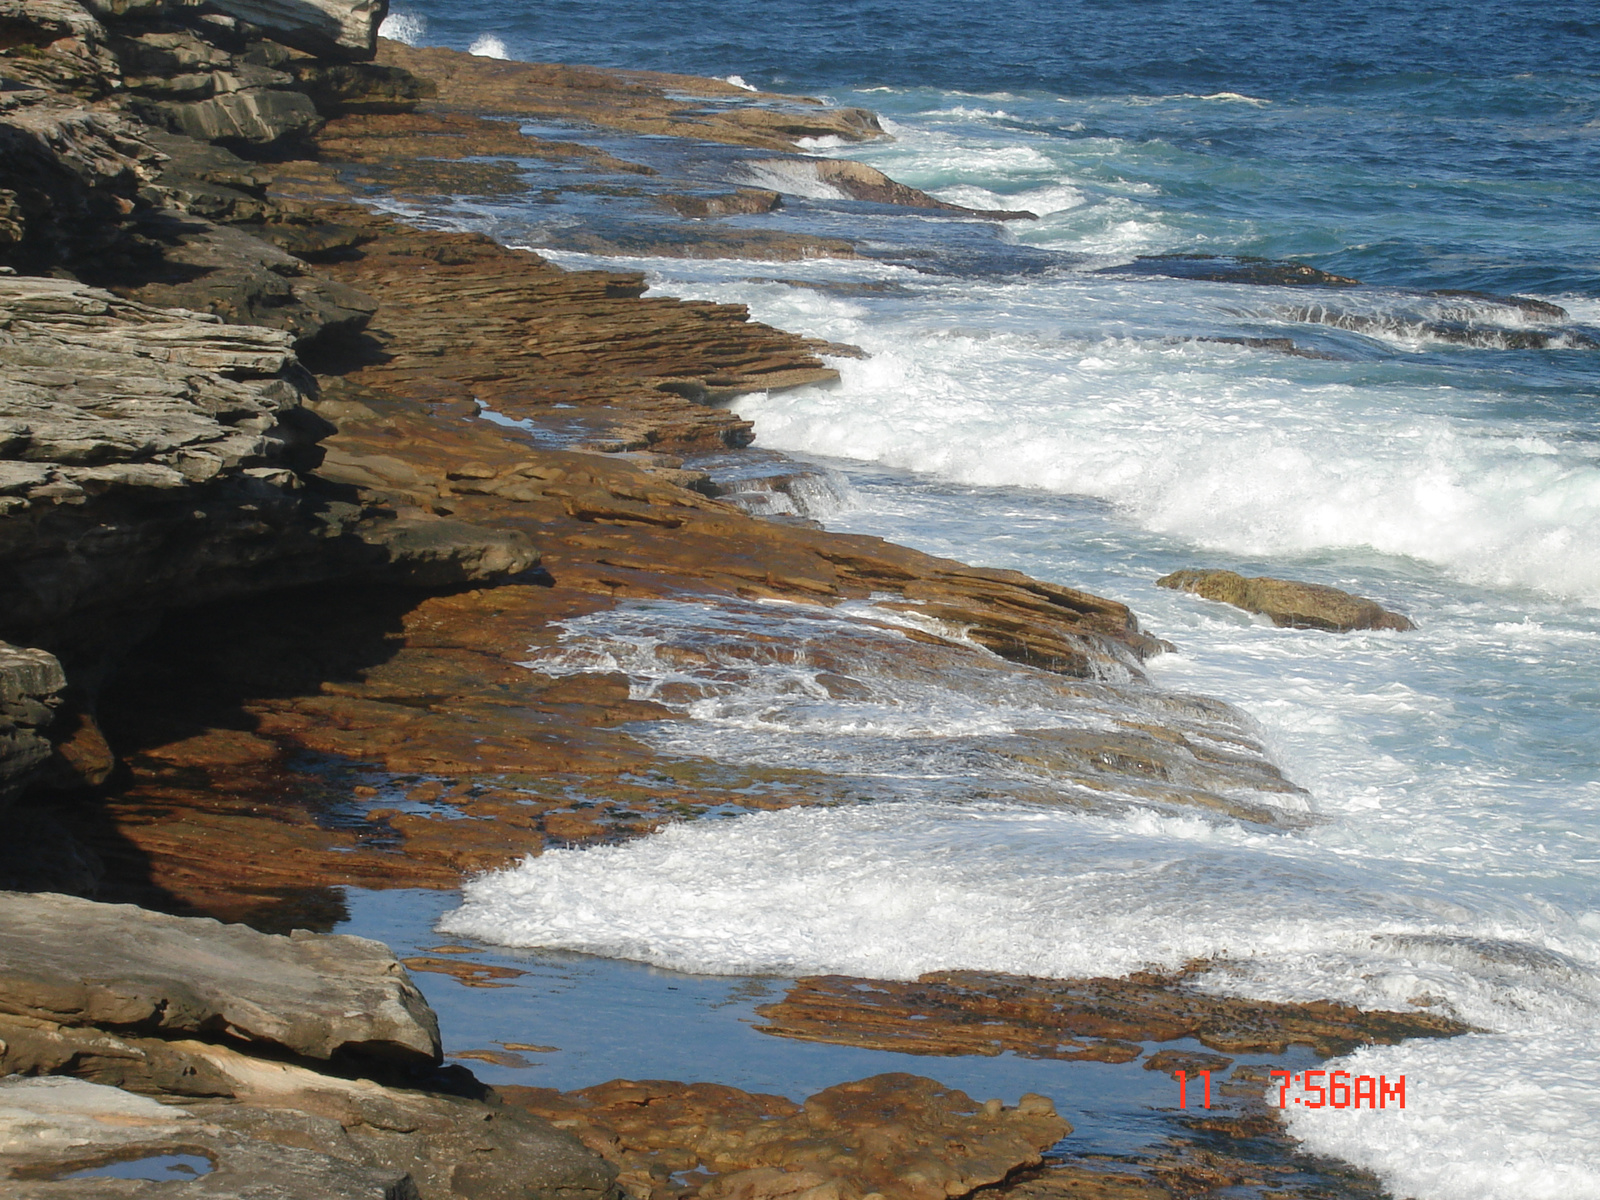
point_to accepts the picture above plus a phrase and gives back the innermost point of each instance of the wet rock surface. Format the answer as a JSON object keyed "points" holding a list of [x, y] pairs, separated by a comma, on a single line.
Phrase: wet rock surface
{"points": [[971, 1012], [635, 101], [1290, 604], [1222, 268]]}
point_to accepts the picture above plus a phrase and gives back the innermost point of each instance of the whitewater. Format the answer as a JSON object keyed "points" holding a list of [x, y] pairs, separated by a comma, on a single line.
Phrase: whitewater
{"points": [[1056, 397]]}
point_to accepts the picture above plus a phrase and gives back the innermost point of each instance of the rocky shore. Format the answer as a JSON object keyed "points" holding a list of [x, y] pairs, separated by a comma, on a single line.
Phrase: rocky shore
{"points": [[293, 497]]}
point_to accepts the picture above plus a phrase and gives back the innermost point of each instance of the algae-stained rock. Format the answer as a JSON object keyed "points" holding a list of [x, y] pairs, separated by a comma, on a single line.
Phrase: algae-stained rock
{"points": [[1289, 603], [76, 963], [345, 87]]}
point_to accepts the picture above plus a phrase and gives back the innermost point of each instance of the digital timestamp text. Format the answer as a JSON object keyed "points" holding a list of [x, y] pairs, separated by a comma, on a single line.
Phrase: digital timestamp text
{"points": [[1322, 1089]]}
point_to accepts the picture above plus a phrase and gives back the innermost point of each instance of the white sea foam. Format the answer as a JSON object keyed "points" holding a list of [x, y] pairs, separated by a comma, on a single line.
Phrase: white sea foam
{"points": [[1252, 461], [842, 691], [738, 82], [892, 890], [403, 26], [791, 177], [962, 110], [488, 45], [1486, 1117], [1040, 201], [1221, 97]]}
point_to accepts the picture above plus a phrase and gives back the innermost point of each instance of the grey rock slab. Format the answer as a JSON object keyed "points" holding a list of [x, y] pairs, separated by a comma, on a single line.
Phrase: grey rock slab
{"points": [[336, 28], [54, 1129], [55, 1117], [77, 963], [255, 116]]}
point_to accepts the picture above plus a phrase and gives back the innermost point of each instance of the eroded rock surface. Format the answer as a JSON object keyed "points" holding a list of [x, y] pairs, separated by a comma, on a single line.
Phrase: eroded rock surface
{"points": [[1289, 603], [147, 453]]}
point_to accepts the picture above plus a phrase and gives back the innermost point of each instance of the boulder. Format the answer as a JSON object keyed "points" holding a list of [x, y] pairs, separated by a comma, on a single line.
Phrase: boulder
{"points": [[1289, 603], [75, 963]]}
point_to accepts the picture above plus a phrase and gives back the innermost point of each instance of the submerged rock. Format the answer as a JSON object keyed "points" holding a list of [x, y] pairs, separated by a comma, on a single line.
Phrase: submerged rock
{"points": [[1229, 268], [1289, 603]]}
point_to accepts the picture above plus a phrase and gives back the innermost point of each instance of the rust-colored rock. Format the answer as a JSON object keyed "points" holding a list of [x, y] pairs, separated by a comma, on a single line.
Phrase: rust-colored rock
{"points": [[973, 1012], [635, 101], [901, 1136]]}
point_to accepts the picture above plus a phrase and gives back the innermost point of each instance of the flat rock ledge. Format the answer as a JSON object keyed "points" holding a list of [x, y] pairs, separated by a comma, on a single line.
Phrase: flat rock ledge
{"points": [[1290, 604]]}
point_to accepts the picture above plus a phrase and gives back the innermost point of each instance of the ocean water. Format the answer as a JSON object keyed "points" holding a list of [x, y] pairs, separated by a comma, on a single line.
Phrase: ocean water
{"points": [[1045, 395]]}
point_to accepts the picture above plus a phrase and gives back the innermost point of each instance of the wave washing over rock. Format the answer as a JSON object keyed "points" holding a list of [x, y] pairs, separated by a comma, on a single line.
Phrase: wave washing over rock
{"points": [[1258, 325]]}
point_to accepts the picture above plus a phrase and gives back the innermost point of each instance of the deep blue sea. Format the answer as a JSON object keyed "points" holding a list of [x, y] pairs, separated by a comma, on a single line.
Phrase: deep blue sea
{"points": [[1044, 395]]}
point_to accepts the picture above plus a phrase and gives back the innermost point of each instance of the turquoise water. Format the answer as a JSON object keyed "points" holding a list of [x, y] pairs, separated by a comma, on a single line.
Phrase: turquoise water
{"points": [[1045, 396]]}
